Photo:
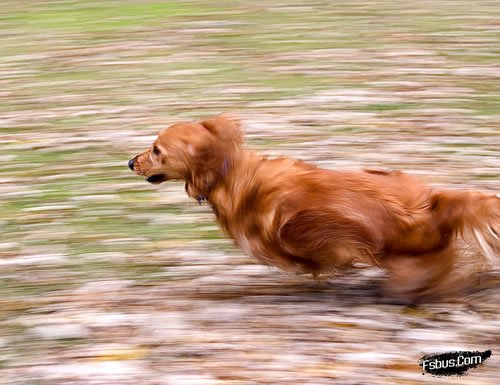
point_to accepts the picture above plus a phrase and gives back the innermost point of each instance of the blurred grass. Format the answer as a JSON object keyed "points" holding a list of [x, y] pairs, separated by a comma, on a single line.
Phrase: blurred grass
{"points": [[74, 69], [67, 66], [94, 16], [85, 85]]}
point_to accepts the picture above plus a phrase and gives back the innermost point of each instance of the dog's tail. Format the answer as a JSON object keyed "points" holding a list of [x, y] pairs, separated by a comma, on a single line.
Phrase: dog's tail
{"points": [[472, 215]]}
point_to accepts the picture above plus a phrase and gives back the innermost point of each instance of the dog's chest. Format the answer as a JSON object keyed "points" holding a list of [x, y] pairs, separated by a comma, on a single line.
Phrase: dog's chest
{"points": [[247, 217], [254, 233], [248, 247]]}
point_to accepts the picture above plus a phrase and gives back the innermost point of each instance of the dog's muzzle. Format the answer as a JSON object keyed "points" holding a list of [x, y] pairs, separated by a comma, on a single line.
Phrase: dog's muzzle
{"points": [[157, 178]]}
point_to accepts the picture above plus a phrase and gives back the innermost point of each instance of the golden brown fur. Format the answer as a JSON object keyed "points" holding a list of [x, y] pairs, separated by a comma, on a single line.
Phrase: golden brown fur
{"points": [[301, 218]]}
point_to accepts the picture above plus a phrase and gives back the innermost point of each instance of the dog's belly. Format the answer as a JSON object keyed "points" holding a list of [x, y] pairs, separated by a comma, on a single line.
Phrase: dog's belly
{"points": [[266, 249]]}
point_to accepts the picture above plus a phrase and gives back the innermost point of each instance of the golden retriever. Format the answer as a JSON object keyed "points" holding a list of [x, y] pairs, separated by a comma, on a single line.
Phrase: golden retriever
{"points": [[304, 219]]}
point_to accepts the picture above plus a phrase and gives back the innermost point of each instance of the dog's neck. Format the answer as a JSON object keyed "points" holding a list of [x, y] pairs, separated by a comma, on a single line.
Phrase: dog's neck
{"points": [[225, 168], [233, 174], [212, 179]]}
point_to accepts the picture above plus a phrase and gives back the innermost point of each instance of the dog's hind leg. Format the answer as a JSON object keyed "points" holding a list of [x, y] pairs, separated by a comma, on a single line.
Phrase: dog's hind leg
{"points": [[425, 277]]}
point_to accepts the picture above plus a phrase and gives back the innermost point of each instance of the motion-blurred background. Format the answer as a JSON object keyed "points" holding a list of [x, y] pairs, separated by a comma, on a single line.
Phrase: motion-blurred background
{"points": [[105, 279]]}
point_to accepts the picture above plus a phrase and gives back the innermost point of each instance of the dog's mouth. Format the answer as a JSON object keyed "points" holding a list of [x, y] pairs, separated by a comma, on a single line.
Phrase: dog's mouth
{"points": [[157, 178]]}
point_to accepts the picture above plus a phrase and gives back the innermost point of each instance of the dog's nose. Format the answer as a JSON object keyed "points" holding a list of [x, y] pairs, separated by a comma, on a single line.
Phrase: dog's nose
{"points": [[131, 164]]}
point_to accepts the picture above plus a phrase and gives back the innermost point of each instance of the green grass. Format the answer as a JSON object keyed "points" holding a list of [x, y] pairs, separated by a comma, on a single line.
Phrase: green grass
{"points": [[389, 106], [93, 16]]}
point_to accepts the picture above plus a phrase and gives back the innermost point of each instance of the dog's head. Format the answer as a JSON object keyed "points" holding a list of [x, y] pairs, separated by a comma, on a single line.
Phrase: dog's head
{"points": [[196, 152]]}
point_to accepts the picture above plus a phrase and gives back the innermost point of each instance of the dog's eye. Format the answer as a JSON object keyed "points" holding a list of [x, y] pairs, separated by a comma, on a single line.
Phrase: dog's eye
{"points": [[156, 150]]}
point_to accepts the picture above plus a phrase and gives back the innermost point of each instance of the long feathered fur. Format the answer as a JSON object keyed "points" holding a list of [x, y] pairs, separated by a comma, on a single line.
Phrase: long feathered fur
{"points": [[301, 218]]}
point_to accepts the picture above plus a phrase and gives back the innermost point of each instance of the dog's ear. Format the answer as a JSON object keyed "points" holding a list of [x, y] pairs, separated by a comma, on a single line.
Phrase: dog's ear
{"points": [[210, 159], [225, 127]]}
